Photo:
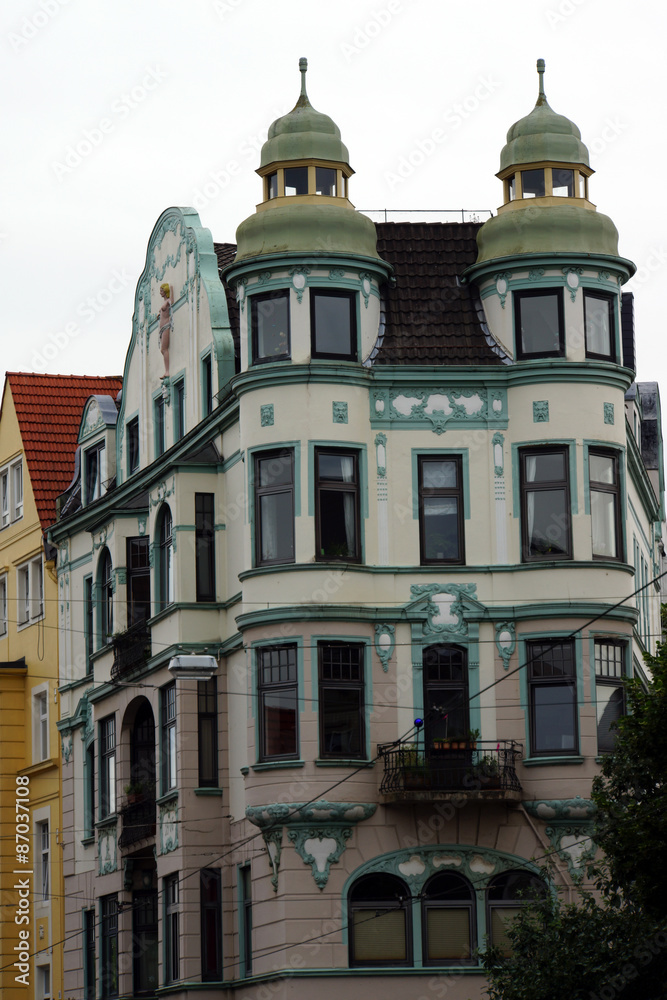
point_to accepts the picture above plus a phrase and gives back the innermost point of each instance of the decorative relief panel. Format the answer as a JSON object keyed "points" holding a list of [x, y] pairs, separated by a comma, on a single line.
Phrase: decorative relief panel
{"points": [[438, 408], [385, 643], [608, 413], [266, 415], [505, 641], [339, 412], [444, 606], [107, 845], [168, 827], [541, 411]]}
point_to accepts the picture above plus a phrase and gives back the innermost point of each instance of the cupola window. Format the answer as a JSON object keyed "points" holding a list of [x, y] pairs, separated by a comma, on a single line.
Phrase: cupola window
{"points": [[599, 326], [532, 183], [296, 180], [538, 317], [325, 181], [511, 188], [333, 324], [563, 182], [583, 185], [272, 181]]}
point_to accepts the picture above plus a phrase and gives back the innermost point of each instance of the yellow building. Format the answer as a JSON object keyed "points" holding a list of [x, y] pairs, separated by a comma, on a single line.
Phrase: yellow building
{"points": [[39, 421]]}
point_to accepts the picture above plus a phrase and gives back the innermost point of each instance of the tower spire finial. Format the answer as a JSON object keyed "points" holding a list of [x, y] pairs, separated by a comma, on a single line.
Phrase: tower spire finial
{"points": [[303, 68], [541, 97]]}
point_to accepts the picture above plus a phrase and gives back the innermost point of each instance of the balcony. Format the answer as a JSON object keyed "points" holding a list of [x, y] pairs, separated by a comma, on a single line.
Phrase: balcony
{"points": [[138, 821], [414, 772], [131, 650]]}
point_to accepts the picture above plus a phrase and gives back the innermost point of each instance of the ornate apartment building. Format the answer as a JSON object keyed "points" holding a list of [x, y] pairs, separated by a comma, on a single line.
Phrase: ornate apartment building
{"points": [[350, 574]]}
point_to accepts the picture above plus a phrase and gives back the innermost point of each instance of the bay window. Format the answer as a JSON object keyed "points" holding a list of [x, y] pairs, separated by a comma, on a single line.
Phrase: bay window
{"points": [[605, 504], [609, 690], [278, 702], [341, 699], [599, 326], [274, 507], [270, 321], [138, 580], [440, 510], [168, 717], [337, 499], [552, 691], [545, 504], [333, 324], [205, 546], [107, 759], [539, 324]]}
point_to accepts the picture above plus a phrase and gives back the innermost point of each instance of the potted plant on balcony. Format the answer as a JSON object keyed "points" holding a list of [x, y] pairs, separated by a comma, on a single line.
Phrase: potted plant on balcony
{"points": [[414, 768], [487, 772], [135, 792]]}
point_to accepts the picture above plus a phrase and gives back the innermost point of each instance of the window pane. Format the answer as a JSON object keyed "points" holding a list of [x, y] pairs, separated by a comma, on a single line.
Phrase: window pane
{"points": [[554, 718], [341, 721], [273, 185], [563, 182], [448, 933], [338, 527], [610, 707], [332, 324], [276, 470], [602, 468], [539, 324], [296, 180], [441, 520], [511, 187], [446, 713], [439, 474], [325, 181], [276, 527], [379, 936], [603, 516], [533, 183], [279, 722], [500, 918], [609, 659], [548, 522], [598, 326], [271, 323], [545, 468]]}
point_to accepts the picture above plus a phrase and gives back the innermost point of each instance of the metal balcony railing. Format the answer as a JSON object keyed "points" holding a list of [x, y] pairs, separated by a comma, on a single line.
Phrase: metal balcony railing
{"points": [[131, 649], [449, 766], [138, 821]]}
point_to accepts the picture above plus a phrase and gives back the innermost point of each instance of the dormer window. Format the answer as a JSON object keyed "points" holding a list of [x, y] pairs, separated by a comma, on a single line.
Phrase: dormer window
{"points": [[325, 181], [563, 182], [532, 183], [296, 181], [94, 472]]}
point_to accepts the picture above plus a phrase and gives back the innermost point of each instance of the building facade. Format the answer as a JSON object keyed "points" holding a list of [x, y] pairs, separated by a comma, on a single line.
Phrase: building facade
{"points": [[39, 421], [349, 622]]}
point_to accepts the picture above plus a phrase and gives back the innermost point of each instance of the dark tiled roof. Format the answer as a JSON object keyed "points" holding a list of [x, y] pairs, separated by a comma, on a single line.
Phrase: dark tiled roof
{"points": [[226, 252], [431, 320], [48, 409]]}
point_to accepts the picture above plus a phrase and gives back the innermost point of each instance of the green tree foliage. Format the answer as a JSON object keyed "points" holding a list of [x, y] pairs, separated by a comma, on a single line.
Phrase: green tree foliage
{"points": [[631, 795], [613, 947]]}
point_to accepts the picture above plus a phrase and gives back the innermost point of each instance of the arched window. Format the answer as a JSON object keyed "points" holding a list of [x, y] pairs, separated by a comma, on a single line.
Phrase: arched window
{"points": [[166, 558], [105, 584], [379, 921], [506, 894], [448, 920], [445, 693]]}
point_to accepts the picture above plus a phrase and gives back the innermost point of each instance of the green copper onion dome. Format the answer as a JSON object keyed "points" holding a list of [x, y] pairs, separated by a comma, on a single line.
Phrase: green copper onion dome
{"points": [[543, 135], [304, 133]]}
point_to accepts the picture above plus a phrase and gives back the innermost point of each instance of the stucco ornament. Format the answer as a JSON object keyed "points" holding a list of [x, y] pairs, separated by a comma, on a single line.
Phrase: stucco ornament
{"points": [[574, 845], [541, 411], [572, 276], [168, 827], [385, 643], [299, 280], [444, 606], [505, 641], [320, 847], [66, 746], [502, 285], [438, 408], [107, 846]]}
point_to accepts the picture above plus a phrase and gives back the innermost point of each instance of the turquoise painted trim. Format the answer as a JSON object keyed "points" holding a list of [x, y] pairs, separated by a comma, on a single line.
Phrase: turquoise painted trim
{"points": [[81, 561], [233, 459], [546, 636], [571, 445], [277, 765], [367, 642], [463, 454], [250, 474], [186, 223], [539, 371], [619, 451], [212, 792], [639, 525], [551, 761], [319, 762], [362, 449], [378, 268], [616, 265]]}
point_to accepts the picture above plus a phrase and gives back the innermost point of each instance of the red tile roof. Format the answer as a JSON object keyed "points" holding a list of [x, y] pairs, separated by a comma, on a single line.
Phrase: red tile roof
{"points": [[49, 408]]}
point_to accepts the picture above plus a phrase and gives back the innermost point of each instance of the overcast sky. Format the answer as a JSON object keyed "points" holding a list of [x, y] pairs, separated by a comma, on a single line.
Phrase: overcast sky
{"points": [[117, 109]]}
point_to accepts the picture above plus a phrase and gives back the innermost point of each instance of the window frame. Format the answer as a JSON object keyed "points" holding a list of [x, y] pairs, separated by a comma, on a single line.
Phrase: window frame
{"points": [[371, 903], [89, 954], [41, 723], [172, 958], [30, 592], [210, 910], [590, 293], [245, 919], [512, 903], [437, 903], [205, 547], [614, 490], [325, 684], [138, 569], [179, 408], [331, 293], [165, 542], [4, 624], [450, 657], [11, 498], [607, 680], [133, 450], [89, 790], [331, 485], [424, 492], [105, 583], [108, 793], [288, 687], [93, 489], [160, 424], [527, 293], [552, 485], [207, 712], [89, 622], [207, 384], [280, 294], [168, 736], [554, 680], [109, 984], [44, 843], [272, 489]]}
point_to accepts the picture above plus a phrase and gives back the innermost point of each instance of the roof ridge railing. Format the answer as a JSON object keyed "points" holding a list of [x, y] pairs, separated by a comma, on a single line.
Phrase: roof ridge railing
{"points": [[467, 214]]}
